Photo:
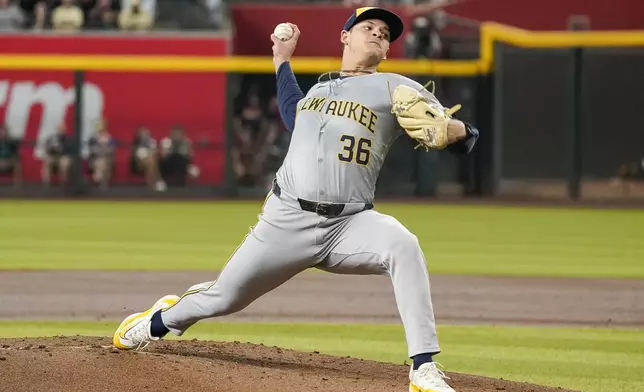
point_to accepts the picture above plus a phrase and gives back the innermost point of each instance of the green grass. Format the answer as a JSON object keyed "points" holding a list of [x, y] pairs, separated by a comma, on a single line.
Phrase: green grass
{"points": [[478, 240], [592, 360]]}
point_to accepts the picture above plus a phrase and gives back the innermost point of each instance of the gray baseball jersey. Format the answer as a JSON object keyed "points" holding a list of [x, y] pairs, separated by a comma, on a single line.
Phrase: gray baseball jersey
{"points": [[343, 130]]}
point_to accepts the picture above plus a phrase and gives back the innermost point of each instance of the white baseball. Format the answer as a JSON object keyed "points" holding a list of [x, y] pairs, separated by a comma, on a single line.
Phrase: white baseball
{"points": [[283, 31]]}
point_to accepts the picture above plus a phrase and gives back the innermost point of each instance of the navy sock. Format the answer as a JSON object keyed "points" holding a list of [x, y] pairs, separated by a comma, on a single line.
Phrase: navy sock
{"points": [[421, 359], [157, 329]]}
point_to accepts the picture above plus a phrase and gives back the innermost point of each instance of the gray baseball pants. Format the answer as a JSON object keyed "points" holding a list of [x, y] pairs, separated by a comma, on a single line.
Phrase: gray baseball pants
{"points": [[287, 240]]}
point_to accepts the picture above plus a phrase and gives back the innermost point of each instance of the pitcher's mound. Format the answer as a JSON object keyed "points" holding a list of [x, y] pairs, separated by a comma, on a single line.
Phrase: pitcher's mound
{"points": [[91, 364]]}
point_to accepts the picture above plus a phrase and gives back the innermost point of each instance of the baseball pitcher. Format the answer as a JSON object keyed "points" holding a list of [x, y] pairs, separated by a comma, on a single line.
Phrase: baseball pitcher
{"points": [[320, 212]]}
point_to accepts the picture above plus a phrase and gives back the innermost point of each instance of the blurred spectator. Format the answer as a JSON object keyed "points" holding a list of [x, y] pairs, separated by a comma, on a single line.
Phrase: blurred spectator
{"points": [[103, 15], [101, 155], [189, 15], [430, 19], [198, 15], [149, 6], [128, 15], [67, 17], [143, 160], [578, 22], [275, 127], [176, 158], [10, 156], [629, 174], [58, 156], [424, 38], [39, 21], [11, 16], [215, 12], [250, 128], [36, 14], [276, 144], [85, 6], [135, 17]]}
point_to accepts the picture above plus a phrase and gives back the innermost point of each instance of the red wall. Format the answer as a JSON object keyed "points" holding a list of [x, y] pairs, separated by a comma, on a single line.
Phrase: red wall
{"points": [[112, 44], [33, 103], [321, 24], [553, 14]]}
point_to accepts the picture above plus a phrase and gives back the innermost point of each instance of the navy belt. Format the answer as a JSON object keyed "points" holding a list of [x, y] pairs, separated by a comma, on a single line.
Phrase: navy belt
{"points": [[329, 210]]}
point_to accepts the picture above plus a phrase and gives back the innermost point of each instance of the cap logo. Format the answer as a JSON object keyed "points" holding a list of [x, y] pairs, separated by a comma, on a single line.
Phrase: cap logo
{"points": [[363, 9]]}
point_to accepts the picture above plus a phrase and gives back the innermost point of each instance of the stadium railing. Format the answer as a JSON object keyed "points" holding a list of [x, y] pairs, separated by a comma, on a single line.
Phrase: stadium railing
{"points": [[503, 106]]}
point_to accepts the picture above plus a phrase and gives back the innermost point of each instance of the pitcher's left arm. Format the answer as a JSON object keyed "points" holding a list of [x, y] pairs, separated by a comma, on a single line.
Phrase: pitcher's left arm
{"points": [[426, 120], [461, 136]]}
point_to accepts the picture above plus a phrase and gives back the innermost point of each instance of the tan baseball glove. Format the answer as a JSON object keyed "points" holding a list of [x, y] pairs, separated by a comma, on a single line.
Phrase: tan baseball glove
{"points": [[424, 120]]}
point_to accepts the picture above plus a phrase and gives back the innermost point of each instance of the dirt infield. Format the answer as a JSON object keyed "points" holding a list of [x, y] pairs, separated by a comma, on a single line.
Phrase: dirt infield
{"points": [[90, 364], [104, 295]]}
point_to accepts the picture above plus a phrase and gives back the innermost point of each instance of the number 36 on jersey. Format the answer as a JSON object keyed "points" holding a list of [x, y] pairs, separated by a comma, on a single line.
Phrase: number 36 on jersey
{"points": [[355, 150]]}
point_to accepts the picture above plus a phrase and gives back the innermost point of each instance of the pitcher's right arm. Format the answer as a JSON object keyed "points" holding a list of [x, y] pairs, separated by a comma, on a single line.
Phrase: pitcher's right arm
{"points": [[288, 91]]}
